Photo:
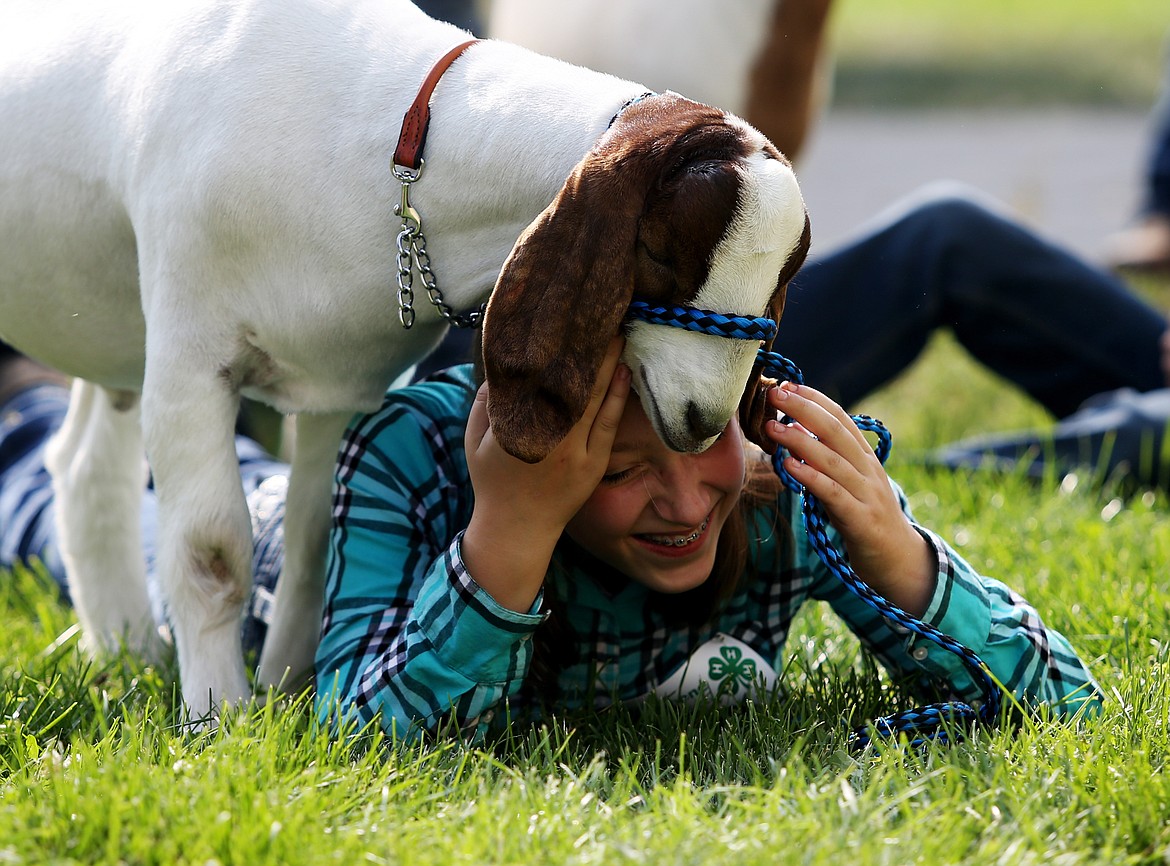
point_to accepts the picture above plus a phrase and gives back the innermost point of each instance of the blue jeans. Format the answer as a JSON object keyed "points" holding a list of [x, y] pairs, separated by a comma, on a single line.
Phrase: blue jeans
{"points": [[28, 529], [1057, 327], [1117, 435], [1158, 167]]}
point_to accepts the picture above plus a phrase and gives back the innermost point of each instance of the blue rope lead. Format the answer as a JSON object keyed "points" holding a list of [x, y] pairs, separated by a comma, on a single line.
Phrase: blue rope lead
{"points": [[705, 321], [919, 725]]}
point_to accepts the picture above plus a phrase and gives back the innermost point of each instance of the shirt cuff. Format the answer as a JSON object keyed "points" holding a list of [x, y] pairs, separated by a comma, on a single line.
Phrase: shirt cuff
{"points": [[960, 609], [469, 630]]}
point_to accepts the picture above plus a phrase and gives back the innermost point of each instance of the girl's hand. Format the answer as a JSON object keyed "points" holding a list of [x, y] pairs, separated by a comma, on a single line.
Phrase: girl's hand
{"points": [[840, 468], [522, 508]]}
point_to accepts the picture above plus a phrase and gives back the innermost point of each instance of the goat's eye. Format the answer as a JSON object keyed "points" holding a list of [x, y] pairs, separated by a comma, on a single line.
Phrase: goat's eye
{"points": [[659, 258]]}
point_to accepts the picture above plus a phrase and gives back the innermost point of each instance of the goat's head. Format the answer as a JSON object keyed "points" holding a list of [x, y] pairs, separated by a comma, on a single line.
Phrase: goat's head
{"points": [[678, 203]]}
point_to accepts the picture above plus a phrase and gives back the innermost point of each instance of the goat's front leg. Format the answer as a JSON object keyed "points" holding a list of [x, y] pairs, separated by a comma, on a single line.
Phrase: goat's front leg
{"points": [[205, 537], [99, 477], [287, 658]]}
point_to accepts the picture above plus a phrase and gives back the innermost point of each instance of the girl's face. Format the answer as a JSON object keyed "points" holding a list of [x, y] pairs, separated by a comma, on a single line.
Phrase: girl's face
{"points": [[657, 514]]}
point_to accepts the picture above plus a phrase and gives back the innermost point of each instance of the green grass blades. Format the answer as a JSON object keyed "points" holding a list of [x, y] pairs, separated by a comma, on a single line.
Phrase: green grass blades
{"points": [[95, 767]]}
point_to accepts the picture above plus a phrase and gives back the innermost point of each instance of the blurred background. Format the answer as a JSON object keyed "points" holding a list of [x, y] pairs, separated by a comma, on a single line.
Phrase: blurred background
{"points": [[1046, 105], [1043, 104]]}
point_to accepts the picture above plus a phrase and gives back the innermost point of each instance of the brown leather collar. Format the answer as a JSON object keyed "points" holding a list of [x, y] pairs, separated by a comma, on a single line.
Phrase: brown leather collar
{"points": [[418, 117]]}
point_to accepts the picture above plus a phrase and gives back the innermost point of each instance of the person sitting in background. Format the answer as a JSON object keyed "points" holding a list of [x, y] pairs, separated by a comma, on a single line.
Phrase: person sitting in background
{"points": [[1070, 334], [1121, 434], [1058, 327], [1145, 246]]}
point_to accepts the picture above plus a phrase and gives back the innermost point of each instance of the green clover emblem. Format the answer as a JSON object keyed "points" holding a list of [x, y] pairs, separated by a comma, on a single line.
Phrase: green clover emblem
{"points": [[731, 670]]}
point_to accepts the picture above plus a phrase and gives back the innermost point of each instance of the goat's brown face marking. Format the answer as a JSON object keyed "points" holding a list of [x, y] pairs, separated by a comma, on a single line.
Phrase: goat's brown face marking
{"points": [[687, 214], [648, 212]]}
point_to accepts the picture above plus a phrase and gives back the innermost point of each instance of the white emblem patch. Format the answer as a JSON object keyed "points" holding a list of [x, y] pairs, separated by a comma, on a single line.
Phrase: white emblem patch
{"points": [[724, 667]]}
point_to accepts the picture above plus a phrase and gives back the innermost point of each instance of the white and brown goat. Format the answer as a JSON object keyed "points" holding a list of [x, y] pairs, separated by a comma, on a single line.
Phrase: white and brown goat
{"points": [[196, 203]]}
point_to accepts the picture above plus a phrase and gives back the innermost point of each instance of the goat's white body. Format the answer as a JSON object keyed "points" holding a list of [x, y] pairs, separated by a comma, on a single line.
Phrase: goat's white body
{"points": [[650, 41], [269, 182], [196, 203]]}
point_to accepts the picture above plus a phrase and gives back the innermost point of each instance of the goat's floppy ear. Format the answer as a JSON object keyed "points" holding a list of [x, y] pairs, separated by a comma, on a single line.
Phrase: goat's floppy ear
{"points": [[565, 289], [753, 406], [560, 298]]}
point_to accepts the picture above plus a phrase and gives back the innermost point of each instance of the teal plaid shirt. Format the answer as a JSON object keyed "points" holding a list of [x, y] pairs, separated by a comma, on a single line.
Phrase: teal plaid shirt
{"points": [[408, 634]]}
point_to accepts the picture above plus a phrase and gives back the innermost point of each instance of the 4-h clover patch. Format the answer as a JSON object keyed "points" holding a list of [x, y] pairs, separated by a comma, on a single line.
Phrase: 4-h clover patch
{"points": [[731, 670], [724, 667]]}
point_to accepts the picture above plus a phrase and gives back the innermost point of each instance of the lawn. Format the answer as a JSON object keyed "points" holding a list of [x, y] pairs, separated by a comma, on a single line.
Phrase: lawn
{"points": [[922, 53], [96, 768]]}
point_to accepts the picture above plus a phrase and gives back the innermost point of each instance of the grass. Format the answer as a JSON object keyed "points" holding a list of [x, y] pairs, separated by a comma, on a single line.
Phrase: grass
{"points": [[922, 53], [95, 766]]}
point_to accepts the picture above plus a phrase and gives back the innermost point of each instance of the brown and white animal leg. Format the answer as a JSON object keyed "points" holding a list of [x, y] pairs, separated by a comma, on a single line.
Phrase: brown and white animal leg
{"points": [[787, 82], [99, 476], [205, 537], [287, 658]]}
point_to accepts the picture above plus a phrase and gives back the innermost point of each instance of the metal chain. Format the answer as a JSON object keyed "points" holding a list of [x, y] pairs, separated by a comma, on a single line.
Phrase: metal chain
{"points": [[423, 261], [412, 255], [405, 277]]}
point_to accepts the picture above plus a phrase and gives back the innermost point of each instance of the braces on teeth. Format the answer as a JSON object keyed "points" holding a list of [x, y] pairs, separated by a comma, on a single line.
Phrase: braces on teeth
{"points": [[681, 542]]}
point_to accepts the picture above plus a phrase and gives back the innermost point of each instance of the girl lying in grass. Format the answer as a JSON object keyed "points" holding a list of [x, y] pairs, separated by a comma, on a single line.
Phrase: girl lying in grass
{"points": [[463, 582]]}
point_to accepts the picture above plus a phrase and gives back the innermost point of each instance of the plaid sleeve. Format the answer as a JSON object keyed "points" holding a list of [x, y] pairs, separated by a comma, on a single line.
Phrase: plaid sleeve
{"points": [[408, 635], [1036, 663], [1031, 660]]}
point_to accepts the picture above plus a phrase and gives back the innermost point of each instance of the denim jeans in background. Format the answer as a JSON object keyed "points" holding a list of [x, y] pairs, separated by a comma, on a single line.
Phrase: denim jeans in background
{"points": [[1058, 327], [27, 522], [461, 13], [1158, 166]]}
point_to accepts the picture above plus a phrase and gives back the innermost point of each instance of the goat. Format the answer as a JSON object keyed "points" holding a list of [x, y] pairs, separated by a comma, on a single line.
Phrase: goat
{"points": [[196, 203]]}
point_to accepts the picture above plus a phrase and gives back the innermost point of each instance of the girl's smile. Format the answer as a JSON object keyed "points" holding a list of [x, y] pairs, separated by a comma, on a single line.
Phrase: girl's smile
{"points": [[679, 545]]}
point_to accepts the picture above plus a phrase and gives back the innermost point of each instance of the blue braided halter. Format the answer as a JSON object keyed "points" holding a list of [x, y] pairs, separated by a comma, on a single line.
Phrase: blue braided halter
{"points": [[931, 722], [705, 321]]}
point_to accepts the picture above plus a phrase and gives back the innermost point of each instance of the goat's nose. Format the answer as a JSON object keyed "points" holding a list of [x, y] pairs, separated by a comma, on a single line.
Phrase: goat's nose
{"points": [[702, 425]]}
